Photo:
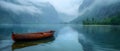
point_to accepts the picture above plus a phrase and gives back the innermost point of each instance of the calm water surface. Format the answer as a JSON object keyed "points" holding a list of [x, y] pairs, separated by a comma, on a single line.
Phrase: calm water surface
{"points": [[67, 37]]}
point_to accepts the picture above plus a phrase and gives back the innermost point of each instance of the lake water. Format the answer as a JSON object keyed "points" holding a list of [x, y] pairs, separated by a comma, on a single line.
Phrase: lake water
{"points": [[67, 37]]}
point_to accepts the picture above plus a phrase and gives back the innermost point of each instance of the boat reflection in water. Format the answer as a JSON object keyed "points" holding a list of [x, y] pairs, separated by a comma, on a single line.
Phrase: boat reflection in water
{"points": [[21, 44]]}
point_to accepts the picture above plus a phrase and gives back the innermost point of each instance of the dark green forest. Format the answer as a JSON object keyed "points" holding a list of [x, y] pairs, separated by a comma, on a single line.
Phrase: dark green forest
{"points": [[113, 20]]}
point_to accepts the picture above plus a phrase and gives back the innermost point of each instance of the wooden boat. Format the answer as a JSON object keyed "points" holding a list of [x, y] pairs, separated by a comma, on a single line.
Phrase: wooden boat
{"points": [[32, 36]]}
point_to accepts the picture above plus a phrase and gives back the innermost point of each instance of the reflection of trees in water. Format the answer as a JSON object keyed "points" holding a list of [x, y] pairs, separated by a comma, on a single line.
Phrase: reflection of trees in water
{"points": [[115, 29], [104, 36], [115, 33], [18, 45], [87, 46], [83, 31]]}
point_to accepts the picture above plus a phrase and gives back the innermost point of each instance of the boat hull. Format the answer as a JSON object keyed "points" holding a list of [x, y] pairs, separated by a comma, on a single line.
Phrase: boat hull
{"points": [[31, 36]]}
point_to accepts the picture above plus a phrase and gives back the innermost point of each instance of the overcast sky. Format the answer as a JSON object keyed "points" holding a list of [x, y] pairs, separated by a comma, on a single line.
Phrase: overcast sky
{"points": [[67, 7], [64, 6]]}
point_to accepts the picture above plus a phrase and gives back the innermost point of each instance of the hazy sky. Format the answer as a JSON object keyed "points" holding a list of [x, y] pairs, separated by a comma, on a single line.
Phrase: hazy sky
{"points": [[67, 7]]}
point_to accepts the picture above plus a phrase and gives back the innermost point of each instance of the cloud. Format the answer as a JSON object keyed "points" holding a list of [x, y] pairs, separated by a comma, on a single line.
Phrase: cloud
{"points": [[22, 6], [98, 3], [69, 7]]}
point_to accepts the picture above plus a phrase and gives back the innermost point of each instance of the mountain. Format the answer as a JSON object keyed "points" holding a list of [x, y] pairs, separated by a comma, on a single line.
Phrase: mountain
{"points": [[26, 12], [85, 4], [99, 11]]}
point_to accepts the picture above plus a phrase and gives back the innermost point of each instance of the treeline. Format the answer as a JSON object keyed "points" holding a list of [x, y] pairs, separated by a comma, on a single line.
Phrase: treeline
{"points": [[114, 20]]}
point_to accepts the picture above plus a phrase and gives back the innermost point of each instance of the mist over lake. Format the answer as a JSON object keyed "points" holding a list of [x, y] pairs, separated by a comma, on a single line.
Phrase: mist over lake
{"points": [[67, 38], [59, 25]]}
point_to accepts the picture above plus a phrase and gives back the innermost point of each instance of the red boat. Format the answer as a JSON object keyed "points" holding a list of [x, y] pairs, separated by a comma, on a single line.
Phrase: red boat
{"points": [[32, 36]]}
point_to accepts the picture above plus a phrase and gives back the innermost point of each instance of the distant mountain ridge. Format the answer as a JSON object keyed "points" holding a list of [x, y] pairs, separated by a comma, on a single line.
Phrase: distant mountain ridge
{"points": [[99, 12], [85, 4], [18, 12]]}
